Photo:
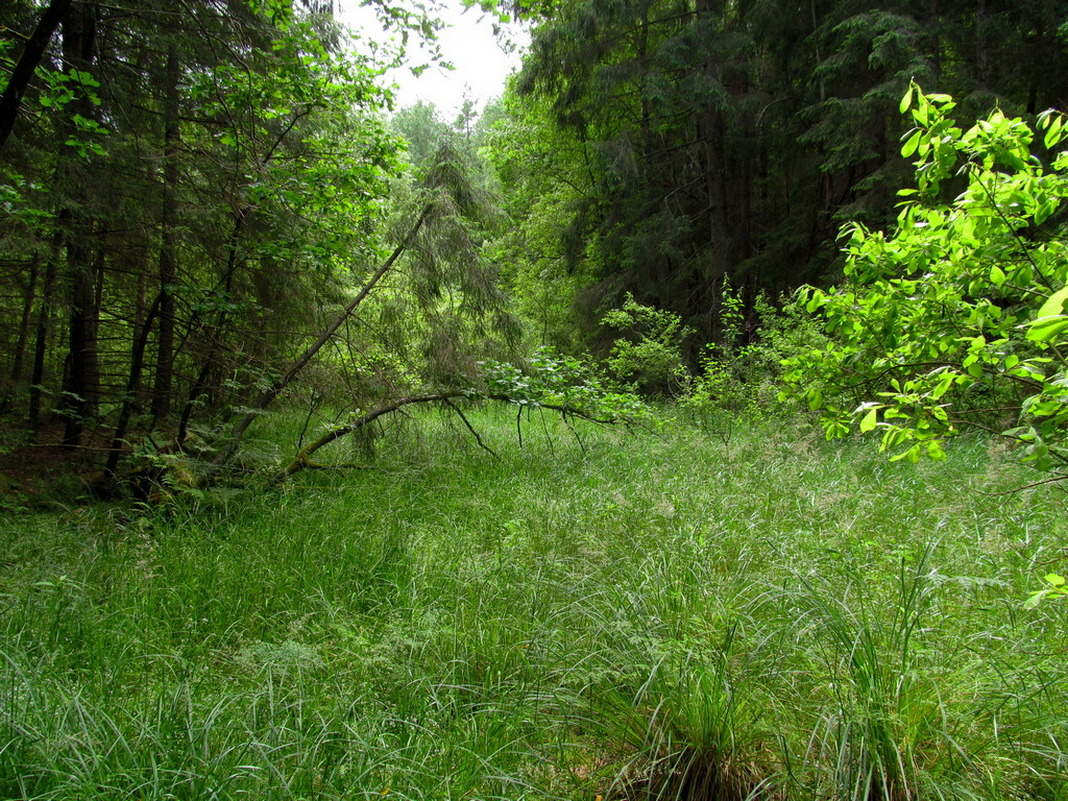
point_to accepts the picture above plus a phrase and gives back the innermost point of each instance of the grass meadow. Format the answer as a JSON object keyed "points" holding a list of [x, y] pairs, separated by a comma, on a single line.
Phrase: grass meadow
{"points": [[672, 614]]}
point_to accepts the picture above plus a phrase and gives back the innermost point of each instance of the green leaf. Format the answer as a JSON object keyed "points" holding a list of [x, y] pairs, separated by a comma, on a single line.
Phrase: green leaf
{"points": [[911, 144], [1054, 134], [1035, 599], [1045, 211], [1055, 580], [869, 421], [906, 101], [1050, 320], [1047, 329], [935, 450], [1054, 305]]}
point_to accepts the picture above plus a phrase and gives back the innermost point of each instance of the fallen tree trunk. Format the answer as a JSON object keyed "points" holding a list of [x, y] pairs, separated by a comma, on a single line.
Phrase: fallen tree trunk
{"points": [[310, 352], [303, 458]]}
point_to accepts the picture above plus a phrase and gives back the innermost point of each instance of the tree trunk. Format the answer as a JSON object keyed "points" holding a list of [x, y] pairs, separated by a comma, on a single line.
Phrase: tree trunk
{"points": [[309, 353], [303, 458], [82, 384], [82, 387], [711, 125], [40, 349], [168, 260], [133, 386], [25, 321], [27, 65], [982, 46], [233, 261]]}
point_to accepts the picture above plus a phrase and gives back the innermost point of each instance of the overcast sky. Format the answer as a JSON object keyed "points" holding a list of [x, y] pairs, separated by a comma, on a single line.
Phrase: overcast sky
{"points": [[467, 42]]}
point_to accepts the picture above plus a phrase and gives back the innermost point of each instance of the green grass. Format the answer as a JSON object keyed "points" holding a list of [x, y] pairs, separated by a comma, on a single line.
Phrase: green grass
{"points": [[652, 616]]}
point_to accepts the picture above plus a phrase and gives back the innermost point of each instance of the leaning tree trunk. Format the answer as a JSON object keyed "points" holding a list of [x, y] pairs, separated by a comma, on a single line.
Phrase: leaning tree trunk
{"points": [[302, 460], [27, 65], [310, 352]]}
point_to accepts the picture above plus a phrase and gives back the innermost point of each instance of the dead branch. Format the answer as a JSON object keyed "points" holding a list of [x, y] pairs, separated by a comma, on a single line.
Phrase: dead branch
{"points": [[303, 461], [471, 428], [309, 353]]}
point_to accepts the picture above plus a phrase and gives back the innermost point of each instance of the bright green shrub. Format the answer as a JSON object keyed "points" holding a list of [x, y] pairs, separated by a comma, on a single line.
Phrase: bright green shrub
{"points": [[648, 354], [955, 320]]}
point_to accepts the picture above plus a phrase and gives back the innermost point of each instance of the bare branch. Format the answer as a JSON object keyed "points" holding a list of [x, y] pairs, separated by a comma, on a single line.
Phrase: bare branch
{"points": [[471, 428], [303, 458], [1052, 480]]}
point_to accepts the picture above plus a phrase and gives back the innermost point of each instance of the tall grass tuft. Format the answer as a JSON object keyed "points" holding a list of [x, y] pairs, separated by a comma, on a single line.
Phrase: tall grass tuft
{"points": [[897, 702], [695, 727]]}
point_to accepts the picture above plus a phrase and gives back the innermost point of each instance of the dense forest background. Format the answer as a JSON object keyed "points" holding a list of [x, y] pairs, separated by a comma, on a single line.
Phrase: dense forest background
{"points": [[214, 205], [687, 142]]}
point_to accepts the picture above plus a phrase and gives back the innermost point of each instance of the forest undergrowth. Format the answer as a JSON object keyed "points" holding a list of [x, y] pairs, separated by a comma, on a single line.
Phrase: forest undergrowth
{"points": [[682, 613]]}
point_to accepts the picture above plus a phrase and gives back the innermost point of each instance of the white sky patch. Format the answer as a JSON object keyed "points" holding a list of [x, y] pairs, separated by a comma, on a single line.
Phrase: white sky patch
{"points": [[467, 42]]}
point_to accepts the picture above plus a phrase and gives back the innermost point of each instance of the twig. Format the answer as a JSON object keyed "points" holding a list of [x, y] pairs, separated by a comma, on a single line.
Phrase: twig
{"points": [[471, 428], [1052, 480], [582, 445], [1012, 230], [344, 466], [548, 436]]}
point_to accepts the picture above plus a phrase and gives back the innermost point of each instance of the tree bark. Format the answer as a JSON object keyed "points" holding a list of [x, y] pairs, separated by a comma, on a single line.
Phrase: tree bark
{"points": [[82, 384], [40, 348], [168, 258], [27, 65], [233, 261], [133, 386], [25, 321], [712, 127], [302, 459]]}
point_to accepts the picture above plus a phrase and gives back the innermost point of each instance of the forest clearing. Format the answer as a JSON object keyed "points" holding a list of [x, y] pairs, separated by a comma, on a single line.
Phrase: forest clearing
{"points": [[678, 613], [689, 423]]}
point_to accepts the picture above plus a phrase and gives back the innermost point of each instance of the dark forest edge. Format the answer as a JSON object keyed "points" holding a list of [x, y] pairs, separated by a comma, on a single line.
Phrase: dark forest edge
{"points": [[209, 215]]}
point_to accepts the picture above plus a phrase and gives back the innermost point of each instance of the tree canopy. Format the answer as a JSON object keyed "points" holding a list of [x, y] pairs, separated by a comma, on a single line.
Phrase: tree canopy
{"points": [[705, 139]]}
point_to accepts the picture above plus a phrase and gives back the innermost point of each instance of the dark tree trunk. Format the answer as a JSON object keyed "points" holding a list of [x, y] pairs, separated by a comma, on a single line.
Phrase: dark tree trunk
{"points": [[82, 384], [215, 331], [168, 259], [27, 65], [716, 186], [25, 321], [82, 388], [40, 350], [982, 46], [711, 126], [133, 386]]}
